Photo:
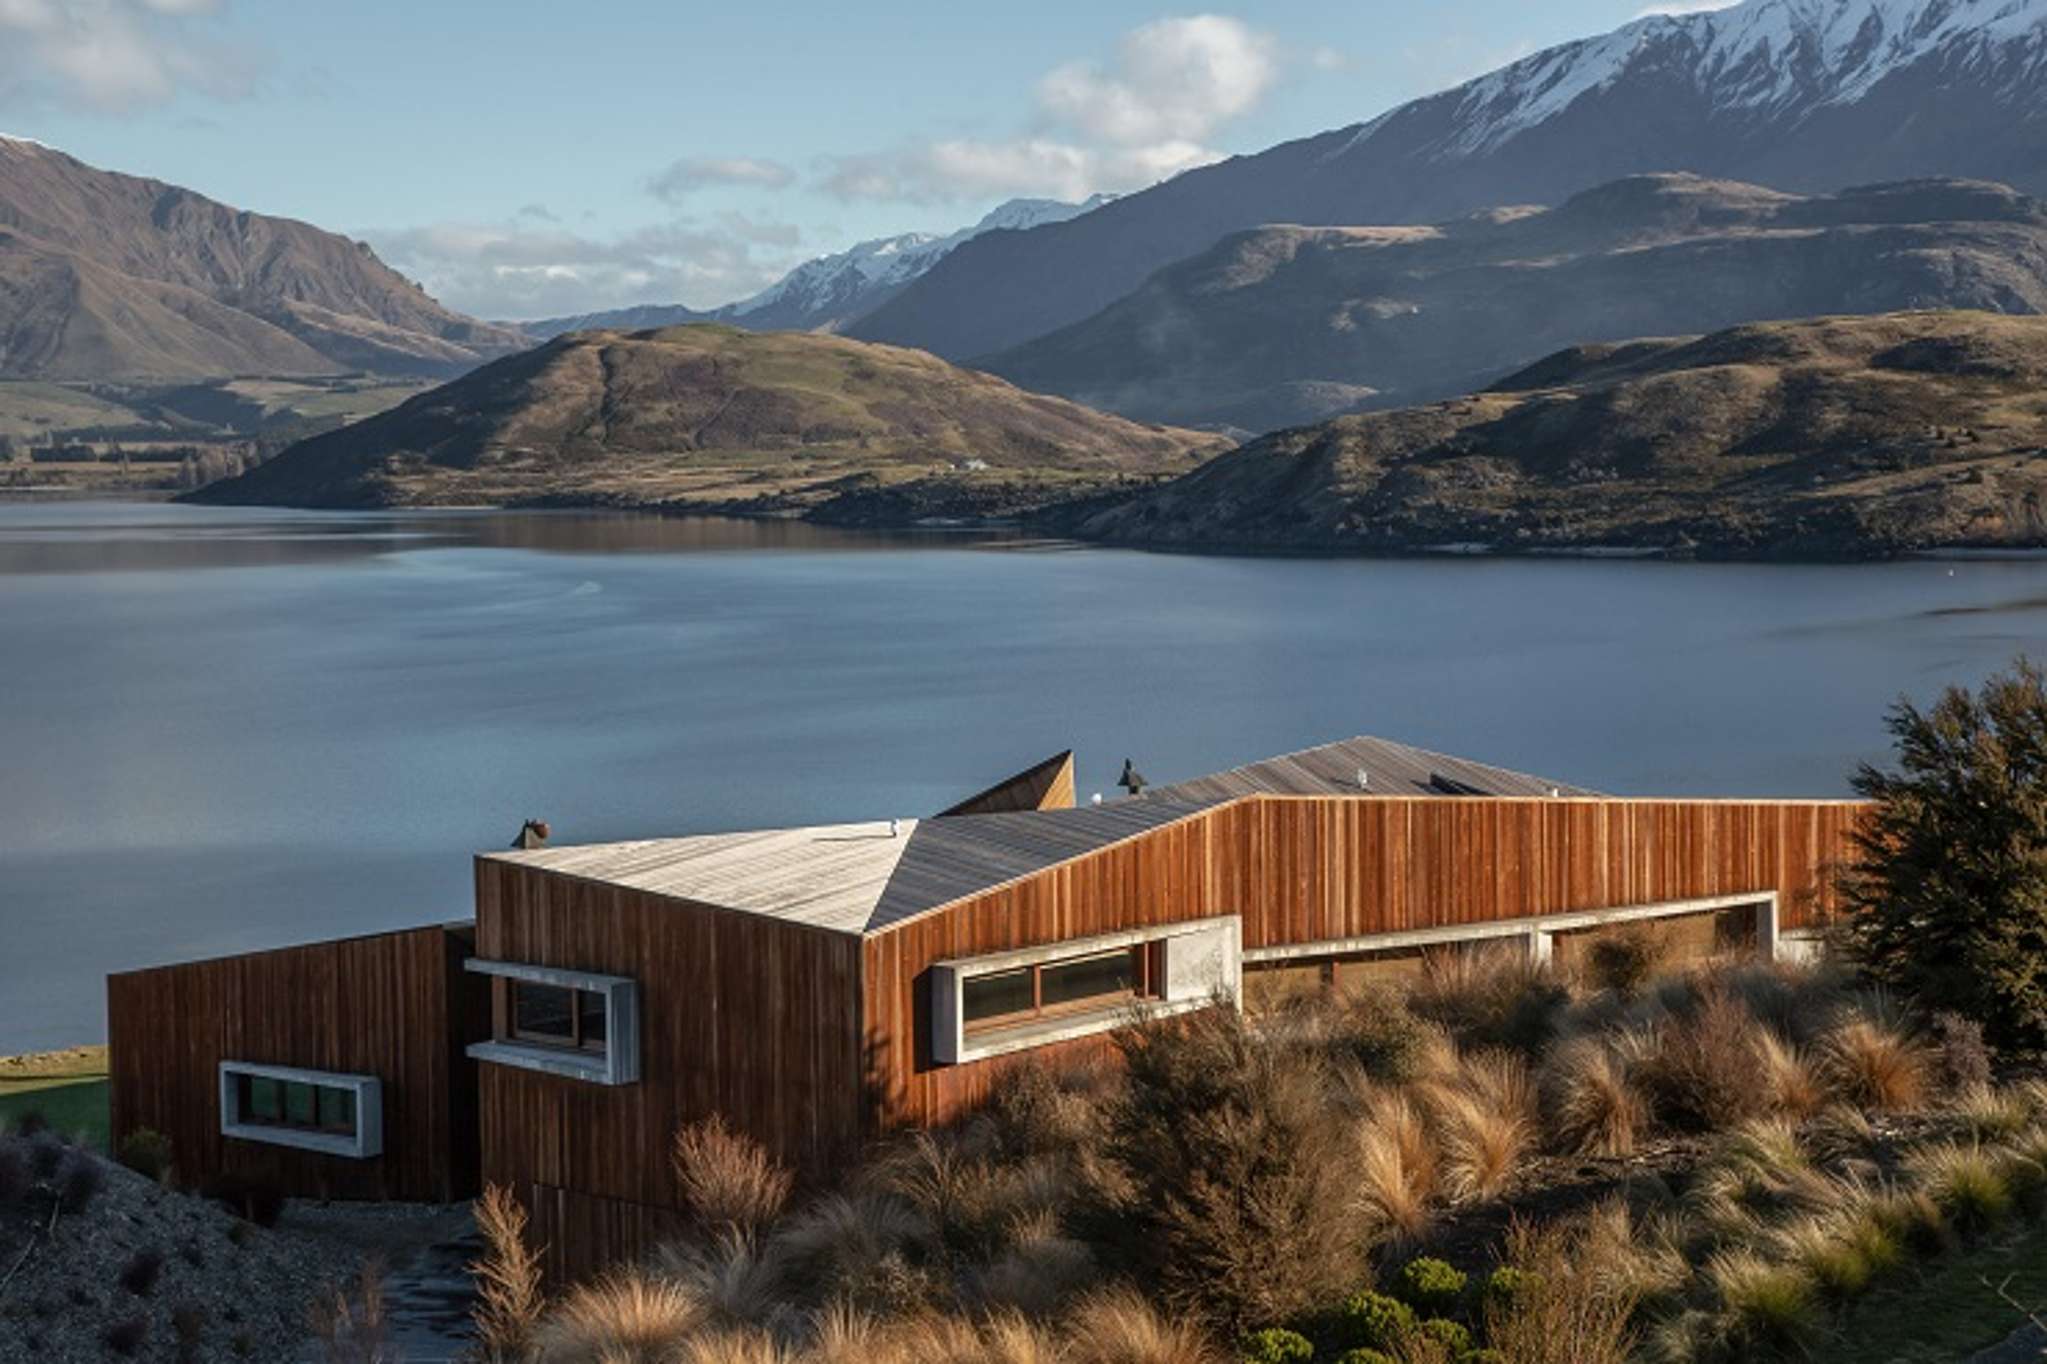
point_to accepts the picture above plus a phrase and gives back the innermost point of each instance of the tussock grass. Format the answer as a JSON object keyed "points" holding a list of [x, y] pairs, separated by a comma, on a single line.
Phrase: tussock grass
{"points": [[1592, 1101], [728, 1180], [1874, 1063], [509, 1301], [627, 1317]]}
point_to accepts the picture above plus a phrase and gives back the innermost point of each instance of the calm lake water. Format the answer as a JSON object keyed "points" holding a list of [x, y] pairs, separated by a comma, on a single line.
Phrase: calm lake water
{"points": [[226, 729]]}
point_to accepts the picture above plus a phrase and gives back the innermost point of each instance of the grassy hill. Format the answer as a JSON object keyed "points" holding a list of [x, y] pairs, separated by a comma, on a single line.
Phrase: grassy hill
{"points": [[717, 418], [1832, 437]]}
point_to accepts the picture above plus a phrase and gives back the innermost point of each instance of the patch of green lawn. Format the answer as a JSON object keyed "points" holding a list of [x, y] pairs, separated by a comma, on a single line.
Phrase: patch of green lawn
{"points": [[69, 1088], [1947, 1312]]}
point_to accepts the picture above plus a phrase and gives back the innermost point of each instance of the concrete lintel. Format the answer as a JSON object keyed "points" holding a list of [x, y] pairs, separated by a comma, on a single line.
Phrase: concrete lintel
{"points": [[1565, 922]]}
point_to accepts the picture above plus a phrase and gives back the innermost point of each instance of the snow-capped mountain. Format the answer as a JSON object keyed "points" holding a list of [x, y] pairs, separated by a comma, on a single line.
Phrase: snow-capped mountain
{"points": [[1800, 95], [826, 293]]}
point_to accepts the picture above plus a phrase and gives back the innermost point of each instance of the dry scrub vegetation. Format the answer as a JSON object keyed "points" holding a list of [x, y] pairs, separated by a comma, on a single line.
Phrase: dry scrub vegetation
{"points": [[1499, 1164]]}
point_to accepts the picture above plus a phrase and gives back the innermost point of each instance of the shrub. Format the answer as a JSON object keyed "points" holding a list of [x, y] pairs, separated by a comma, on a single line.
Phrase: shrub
{"points": [[1949, 897], [1453, 1336], [1763, 1306], [45, 1155], [626, 1317], [1624, 961], [126, 1336], [1431, 1286], [1395, 1169], [80, 1183], [31, 1123], [1960, 1056], [1118, 1327], [1482, 1118], [189, 1325], [1790, 1082], [1702, 1064], [140, 1273], [1240, 1193], [1593, 1104], [1493, 996], [728, 1179], [1275, 1345], [1553, 1315], [1873, 1064], [508, 1297], [1365, 1356], [1374, 1321], [147, 1152], [1377, 1030], [1503, 1285]]}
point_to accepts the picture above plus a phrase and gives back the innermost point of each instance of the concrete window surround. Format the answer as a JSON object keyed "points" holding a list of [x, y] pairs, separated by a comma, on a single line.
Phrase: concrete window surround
{"points": [[366, 1142], [617, 1064], [1203, 963], [1539, 932]]}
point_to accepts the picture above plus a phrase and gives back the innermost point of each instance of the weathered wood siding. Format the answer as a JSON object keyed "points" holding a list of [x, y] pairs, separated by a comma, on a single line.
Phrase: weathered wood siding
{"points": [[743, 1015], [1304, 869], [394, 1005]]}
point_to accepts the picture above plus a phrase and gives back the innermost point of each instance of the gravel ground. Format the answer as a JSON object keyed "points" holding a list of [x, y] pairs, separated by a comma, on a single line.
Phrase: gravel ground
{"points": [[223, 1290]]}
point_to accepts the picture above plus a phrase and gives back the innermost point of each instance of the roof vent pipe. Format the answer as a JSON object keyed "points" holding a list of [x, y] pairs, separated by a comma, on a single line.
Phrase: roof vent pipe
{"points": [[1132, 780], [1364, 780]]}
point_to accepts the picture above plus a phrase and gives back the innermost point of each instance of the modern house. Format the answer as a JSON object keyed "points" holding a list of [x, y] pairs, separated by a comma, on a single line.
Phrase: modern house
{"points": [[819, 986]]}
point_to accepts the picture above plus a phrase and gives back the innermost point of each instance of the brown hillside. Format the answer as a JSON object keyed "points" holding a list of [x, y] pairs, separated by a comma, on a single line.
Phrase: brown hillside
{"points": [[107, 276], [712, 416], [1836, 437]]}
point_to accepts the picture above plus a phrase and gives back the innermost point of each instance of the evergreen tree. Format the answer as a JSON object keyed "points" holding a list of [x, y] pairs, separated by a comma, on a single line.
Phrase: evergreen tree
{"points": [[1950, 882]]}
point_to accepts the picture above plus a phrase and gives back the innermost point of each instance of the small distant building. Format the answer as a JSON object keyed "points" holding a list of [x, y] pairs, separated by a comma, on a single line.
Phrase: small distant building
{"points": [[820, 986]]}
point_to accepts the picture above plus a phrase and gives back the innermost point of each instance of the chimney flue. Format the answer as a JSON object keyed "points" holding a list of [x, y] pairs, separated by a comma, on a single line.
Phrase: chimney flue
{"points": [[532, 834]]}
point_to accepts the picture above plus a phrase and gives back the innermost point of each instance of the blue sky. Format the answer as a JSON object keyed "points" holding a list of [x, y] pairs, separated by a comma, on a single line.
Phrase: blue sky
{"points": [[525, 159]]}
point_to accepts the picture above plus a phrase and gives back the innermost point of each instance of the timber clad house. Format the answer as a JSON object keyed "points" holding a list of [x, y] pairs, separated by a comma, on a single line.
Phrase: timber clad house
{"points": [[821, 986]]}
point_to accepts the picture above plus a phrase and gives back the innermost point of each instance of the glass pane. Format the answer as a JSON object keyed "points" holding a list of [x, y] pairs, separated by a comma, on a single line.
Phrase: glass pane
{"points": [[337, 1109], [1005, 992], [592, 1005], [1101, 977], [264, 1102], [298, 1104], [542, 1011]]}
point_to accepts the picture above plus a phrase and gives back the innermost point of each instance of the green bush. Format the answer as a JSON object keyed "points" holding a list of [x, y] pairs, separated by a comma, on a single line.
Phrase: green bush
{"points": [[1275, 1345], [1431, 1286], [1377, 1031], [147, 1152], [1484, 1355], [1505, 1285], [1375, 1321], [1365, 1356], [1451, 1335]]}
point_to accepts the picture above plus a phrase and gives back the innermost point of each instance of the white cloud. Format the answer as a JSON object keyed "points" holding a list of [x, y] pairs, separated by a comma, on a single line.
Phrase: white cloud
{"points": [[1143, 118], [683, 177], [116, 56], [527, 269]]}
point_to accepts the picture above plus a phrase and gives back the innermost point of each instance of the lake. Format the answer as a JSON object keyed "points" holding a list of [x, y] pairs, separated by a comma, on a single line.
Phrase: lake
{"points": [[223, 728]]}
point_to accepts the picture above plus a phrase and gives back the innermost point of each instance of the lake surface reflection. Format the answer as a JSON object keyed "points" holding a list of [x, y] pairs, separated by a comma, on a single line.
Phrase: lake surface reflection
{"points": [[228, 728]]}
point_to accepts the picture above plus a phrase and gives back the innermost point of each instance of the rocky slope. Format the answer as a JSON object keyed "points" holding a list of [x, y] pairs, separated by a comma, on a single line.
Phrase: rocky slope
{"points": [[1800, 95], [110, 277], [1281, 326], [716, 418], [1829, 438]]}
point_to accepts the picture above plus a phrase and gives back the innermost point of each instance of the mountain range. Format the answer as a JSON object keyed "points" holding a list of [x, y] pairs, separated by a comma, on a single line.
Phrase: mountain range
{"points": [[106, 276], [1800, 95], [1830, 437], [826, 293], [1279, 326]]}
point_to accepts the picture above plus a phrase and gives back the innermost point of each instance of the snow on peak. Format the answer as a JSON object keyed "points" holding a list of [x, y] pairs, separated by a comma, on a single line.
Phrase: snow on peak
{"points": [[1759, 54], [893, 261]]}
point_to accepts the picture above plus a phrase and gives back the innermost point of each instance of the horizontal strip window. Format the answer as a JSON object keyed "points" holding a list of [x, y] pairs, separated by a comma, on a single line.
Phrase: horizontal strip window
{"points": [[576, 1024], [1030, 997], [338, 1114]]}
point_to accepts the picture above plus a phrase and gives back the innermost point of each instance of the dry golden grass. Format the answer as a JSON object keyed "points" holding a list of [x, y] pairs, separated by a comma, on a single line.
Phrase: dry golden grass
{"points": [[1484, 1124], [627, 1317], [1396, 1166], [1116, 1326], [1563, 1314], [1874, 1064], [1594, 1105], [728, 1180], [509, 1301], [1789, 1077]]}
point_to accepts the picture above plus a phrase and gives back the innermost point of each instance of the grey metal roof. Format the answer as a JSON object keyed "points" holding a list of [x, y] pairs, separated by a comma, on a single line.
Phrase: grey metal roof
{"points": [[1392, 769]]}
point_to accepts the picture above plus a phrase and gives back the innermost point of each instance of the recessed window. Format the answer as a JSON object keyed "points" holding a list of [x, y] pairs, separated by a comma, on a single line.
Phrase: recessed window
{"points": [[572, 1023], [315, 1110], [1098, 980]]}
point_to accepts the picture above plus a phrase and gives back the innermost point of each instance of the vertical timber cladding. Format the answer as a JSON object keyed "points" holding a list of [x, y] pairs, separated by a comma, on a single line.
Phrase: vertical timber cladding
{"points": [[1306, 869], [394, 1005], [742, 1015]]}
